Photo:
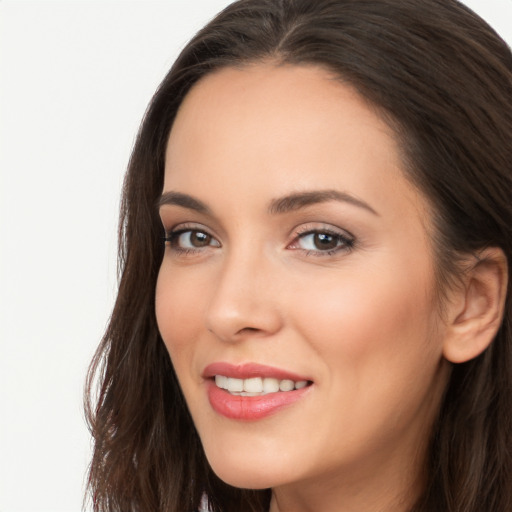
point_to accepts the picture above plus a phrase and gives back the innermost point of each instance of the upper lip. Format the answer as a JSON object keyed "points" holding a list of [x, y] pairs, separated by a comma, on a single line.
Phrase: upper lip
{"points": [[249, 370]]}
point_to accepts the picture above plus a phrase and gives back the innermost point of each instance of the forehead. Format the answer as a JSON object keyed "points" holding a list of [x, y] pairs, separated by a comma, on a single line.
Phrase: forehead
{"points": [[269, 130]]}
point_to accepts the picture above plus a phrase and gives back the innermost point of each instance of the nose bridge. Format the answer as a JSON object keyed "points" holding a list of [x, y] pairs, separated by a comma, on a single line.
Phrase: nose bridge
{"points": [[243, 301]]}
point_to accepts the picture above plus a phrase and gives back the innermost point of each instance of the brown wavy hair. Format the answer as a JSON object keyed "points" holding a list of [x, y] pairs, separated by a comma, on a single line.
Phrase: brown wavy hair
{"points": [[442, 78]]}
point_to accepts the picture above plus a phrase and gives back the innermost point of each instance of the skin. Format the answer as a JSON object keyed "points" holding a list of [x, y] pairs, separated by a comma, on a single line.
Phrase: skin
{"points": [[361, 322]]}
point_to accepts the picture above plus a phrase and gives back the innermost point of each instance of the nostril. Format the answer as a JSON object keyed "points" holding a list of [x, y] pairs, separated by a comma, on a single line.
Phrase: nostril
{"points": [[247, 330]]}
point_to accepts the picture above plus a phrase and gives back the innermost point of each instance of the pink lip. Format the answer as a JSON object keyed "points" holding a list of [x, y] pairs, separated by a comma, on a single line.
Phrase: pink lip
{"points": [[248, 370], [250, 408]]}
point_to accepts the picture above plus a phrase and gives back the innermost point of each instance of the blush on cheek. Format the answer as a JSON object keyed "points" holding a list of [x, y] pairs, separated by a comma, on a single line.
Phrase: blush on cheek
{"points": [[175, 312], [356, 316]]}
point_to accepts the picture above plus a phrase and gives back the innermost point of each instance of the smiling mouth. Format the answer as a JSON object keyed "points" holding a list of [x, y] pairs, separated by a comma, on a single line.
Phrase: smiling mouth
{"points": [[252, 391], [258, 386]]}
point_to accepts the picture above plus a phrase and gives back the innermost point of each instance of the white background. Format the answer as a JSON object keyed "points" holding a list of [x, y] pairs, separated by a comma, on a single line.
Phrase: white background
{"points": [[75, 78]]}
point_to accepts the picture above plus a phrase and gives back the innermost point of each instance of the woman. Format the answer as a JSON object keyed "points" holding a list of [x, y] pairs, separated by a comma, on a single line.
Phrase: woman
{"points": [[314, 308]]}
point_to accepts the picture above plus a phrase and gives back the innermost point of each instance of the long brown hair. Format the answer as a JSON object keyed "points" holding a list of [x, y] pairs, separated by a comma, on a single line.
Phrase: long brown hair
{"points": [[442, 78]]}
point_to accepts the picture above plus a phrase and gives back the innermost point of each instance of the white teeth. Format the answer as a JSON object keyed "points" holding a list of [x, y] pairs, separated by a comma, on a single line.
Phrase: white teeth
{"points": [[235, 384], [221, 381], [270, 385], [256, 386], [286, 385]]}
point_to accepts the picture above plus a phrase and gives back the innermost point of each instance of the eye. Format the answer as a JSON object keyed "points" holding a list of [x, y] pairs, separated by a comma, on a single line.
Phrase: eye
{"points": [[322, 242], [190, 239]]}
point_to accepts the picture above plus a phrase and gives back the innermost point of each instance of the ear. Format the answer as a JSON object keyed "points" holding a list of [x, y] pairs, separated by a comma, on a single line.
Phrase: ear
{"points": [[476, 311]]}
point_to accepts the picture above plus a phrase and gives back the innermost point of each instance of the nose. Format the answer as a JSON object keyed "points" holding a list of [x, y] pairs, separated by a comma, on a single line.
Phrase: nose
{"points": [[245, 301]]}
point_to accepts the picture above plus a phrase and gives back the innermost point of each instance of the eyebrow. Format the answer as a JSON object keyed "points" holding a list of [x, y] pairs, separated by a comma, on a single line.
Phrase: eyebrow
{"points": [[289, 203], [300, 200], [183, 200]]}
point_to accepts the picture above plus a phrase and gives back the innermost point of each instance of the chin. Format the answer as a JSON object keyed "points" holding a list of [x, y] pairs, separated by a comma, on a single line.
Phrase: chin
{"points": [[246, 473], [245, 481]]}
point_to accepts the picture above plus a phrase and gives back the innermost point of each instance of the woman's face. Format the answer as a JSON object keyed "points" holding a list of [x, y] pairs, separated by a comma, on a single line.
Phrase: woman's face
{"points": [[297, 257]]}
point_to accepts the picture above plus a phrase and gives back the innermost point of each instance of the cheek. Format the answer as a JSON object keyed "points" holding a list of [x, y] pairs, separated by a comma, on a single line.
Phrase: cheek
{"points": [[363, 321], [373, 335], [177, 308]]}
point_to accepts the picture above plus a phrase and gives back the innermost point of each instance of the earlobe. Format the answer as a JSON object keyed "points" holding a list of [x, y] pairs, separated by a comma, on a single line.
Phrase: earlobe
{"points": [[477, 312]]}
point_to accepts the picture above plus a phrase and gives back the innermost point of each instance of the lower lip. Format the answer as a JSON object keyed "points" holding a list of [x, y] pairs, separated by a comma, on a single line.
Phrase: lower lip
{"points": [[248, 408]]}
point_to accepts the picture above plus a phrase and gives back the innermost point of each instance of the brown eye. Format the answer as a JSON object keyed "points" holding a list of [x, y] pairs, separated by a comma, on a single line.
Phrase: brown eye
{"points": [[319, 242], [325, 241], [199, 239], [191, 239]]}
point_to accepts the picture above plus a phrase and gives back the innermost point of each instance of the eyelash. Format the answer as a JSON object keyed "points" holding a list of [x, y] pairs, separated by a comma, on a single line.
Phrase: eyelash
{"points": [[172, 237], [344, 242]]}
